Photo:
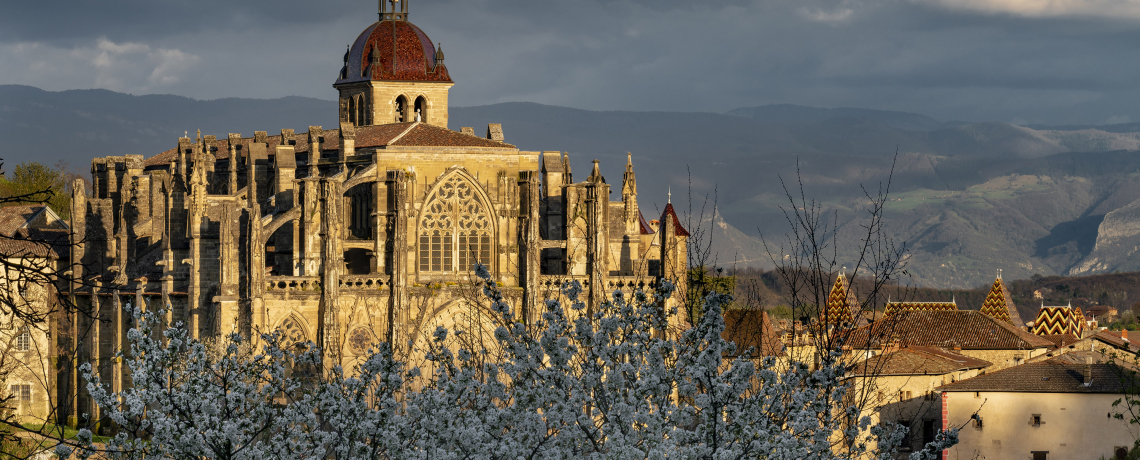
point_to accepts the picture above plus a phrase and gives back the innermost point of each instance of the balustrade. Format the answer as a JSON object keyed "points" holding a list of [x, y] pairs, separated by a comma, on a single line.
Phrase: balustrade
{"points": [[293, 283], [364, 281]]}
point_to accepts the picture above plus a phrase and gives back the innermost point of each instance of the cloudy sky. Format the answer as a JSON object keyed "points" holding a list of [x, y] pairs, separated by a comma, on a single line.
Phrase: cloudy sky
{"points": [[1023, 61]]}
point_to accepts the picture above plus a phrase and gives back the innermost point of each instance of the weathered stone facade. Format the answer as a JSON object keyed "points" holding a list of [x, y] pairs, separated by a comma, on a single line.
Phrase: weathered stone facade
{"points": [[350, 236]]}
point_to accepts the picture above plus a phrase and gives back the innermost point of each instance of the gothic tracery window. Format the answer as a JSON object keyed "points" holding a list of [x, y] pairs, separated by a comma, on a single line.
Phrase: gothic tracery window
{"points": [[455, 229], [292, 334]]}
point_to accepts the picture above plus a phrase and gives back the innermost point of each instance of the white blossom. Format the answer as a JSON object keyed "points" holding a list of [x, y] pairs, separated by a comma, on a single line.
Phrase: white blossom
{"points": [[608, 385]]}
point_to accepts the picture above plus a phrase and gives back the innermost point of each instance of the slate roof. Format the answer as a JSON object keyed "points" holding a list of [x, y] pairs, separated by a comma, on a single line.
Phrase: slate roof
{"points": [[918, 361], [752, 328], [1057, 375], [968, 329]]}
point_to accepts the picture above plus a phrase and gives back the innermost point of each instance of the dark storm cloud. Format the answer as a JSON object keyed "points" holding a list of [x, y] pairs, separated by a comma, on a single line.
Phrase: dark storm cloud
{"points": [[1006, 60], [71, 20]]}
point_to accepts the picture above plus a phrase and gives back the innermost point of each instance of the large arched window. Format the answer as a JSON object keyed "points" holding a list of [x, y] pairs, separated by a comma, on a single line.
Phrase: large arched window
{"points": [[455, 228]]}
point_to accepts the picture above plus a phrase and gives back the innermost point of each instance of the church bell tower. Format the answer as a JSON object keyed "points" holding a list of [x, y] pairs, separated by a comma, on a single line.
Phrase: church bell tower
{"points": [[393, 73]]}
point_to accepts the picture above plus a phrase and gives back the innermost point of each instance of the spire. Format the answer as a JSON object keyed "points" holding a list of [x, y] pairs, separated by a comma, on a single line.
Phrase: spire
{"points": [[670, 200], [569, 178], [629, 179], [596, 174], [439, 55], [841, 304], [999, 303]]}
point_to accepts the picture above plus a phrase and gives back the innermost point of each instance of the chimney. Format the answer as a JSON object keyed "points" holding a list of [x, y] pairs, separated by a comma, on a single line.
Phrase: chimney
{"points": [[1086, 377], [495, 131], [1124, 334]]}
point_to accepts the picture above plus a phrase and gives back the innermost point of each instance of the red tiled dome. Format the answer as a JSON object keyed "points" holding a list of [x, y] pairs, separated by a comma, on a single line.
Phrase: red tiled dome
{"points": [[415, 55]]}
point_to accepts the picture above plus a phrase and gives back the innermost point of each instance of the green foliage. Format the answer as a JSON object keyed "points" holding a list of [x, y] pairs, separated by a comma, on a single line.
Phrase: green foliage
{"points": [[36, 183], [702, 283], [781, 311], [1127, 321]]}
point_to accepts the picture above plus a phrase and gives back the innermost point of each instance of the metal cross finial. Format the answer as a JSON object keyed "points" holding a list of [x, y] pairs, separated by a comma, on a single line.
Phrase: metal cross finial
{"points": [[670, 195]]}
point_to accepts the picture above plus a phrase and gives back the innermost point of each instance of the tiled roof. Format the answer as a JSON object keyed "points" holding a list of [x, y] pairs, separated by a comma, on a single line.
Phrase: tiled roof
{"points": [[999, 304], [895, 307], [1061, 340], [1053, 376], [410, 134], [14, 217], [841, 303], [414, 55], [644, 226], [670, 213], [968, 329], [16, 248], [752, 328], [1114, 339], [425, 135], [1059, 320], [918, 361]]}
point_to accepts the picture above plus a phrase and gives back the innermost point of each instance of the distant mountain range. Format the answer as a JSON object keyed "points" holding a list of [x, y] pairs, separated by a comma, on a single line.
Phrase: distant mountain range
{"points": [[967, 198]]}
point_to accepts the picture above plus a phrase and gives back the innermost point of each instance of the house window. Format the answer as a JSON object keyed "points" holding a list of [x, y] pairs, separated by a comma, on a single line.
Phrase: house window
{"points": [[24, 340], [455, 229], [22, 392], [1040, 455], [906, 440], [1035, 420]]}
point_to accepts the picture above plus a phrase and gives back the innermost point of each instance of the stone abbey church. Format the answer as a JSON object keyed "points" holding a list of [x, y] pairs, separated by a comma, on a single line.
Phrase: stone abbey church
{"points": [[362, 233]]}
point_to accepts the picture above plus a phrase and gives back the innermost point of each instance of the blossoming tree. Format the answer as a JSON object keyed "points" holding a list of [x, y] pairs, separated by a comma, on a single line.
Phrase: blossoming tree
{"points": [[571, 385]]}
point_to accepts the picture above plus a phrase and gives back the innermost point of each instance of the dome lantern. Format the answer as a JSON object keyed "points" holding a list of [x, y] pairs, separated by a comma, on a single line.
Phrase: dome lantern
{"points": [[392, 61]]}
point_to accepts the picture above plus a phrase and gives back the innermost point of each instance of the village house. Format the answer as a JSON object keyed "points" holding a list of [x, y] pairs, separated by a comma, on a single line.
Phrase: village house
{"points": [[27, 361], [1056, 409]]}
